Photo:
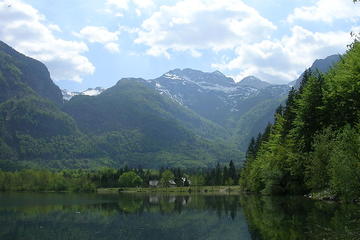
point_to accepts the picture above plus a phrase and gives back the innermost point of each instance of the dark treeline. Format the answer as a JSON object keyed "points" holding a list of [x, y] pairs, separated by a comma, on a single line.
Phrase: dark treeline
{"points": [[314, 144], [89, 180]]}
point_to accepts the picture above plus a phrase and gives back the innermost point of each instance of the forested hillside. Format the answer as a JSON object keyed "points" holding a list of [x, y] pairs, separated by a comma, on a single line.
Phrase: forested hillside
{"points": [[27, 119], [132, 104], [18, 69], [129, 124], [314, 144]]}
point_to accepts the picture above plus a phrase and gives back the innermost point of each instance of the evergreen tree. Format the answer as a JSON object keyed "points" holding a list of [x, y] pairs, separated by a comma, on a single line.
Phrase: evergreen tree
{"points": [[232, 172], [225, 175], [290, 111], [304, 150], [218, 177], [251, 151], [342, 90], [309, 115]]}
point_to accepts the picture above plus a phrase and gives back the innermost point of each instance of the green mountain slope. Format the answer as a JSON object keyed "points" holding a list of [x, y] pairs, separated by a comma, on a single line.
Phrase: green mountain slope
{"points": [[30, 72], [28, 122], [254, 121], [127, 124], [147, 128], [131, 104]]}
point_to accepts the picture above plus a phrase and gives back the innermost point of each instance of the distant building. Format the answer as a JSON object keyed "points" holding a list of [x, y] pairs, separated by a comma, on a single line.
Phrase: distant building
{"points": [[153, 183], [184, 179], [172, 183]]}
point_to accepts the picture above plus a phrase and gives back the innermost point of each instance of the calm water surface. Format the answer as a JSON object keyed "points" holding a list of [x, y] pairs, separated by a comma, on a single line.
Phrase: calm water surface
{"points": [[137, 216]]}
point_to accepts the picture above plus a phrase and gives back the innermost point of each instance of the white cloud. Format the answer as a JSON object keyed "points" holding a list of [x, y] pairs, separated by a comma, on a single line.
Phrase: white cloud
{"points": [[94, 34], [25, 29], [114, 6], [193, 25], [283, 60], [122, 4], [98, 34], [144, 3], [326, 11], [54, 28], [112, 47]]}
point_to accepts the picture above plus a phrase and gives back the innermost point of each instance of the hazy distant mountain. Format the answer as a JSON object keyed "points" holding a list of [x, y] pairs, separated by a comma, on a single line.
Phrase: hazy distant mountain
{"points": [[254, 82], [204, 93], [321, 65], [218, 98], [212, 95]]}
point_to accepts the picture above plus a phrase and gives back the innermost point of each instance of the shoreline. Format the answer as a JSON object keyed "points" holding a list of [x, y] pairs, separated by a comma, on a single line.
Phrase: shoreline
{"points": [[199, 189]]}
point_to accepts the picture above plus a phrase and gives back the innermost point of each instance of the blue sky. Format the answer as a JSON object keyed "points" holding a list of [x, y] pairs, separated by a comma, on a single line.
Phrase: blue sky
{"points": [[97, 42]]}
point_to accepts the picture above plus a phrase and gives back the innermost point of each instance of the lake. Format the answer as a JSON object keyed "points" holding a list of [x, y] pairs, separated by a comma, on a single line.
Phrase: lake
{"points": [[156, 216]]}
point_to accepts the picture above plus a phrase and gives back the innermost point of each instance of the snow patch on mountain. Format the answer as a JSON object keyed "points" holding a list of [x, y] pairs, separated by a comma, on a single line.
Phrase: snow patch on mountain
{"points": [[218, 87], [209, 94], [67, 95], [172, 76], [92, 92]]}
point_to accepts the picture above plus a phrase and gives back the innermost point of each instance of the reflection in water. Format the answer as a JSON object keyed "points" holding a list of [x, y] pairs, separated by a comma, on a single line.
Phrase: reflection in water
{"points": [[124, 216], [298, 218], [136, 216], [222, 205]]}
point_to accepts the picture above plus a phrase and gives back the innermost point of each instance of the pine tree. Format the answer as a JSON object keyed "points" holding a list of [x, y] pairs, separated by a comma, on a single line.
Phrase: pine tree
{"points": [[232, 172], [225, 175], [342, 90], [290, 111], [309, 118], [218, 178]]}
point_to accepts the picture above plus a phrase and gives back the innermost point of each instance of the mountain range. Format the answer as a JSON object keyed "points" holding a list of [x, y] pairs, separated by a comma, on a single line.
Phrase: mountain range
{"points": [[184, 118], [242, 109]]}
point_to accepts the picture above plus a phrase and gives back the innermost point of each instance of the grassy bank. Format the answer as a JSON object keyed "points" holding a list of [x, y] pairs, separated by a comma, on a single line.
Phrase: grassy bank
{"points": [[199, 189]]}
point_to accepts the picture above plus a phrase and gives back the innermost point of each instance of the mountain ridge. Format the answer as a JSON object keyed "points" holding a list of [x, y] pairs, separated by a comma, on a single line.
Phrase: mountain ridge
{"points": [[34, 74], [322, 65], [253, 81]]}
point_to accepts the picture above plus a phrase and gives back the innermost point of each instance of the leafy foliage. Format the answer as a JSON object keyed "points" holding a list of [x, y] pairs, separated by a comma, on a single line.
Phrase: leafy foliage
{"points": [[130, 179], [42, 180], [313, 145], [166, 177], [344, 166]]}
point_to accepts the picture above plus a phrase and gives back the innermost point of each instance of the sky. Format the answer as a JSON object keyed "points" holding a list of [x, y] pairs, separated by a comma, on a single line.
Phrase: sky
{"points": [[93, 43]]}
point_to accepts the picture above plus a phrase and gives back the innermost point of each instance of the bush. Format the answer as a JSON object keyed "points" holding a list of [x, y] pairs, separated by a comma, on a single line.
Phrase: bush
{"points": [[345, 164], [130, 179]]}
